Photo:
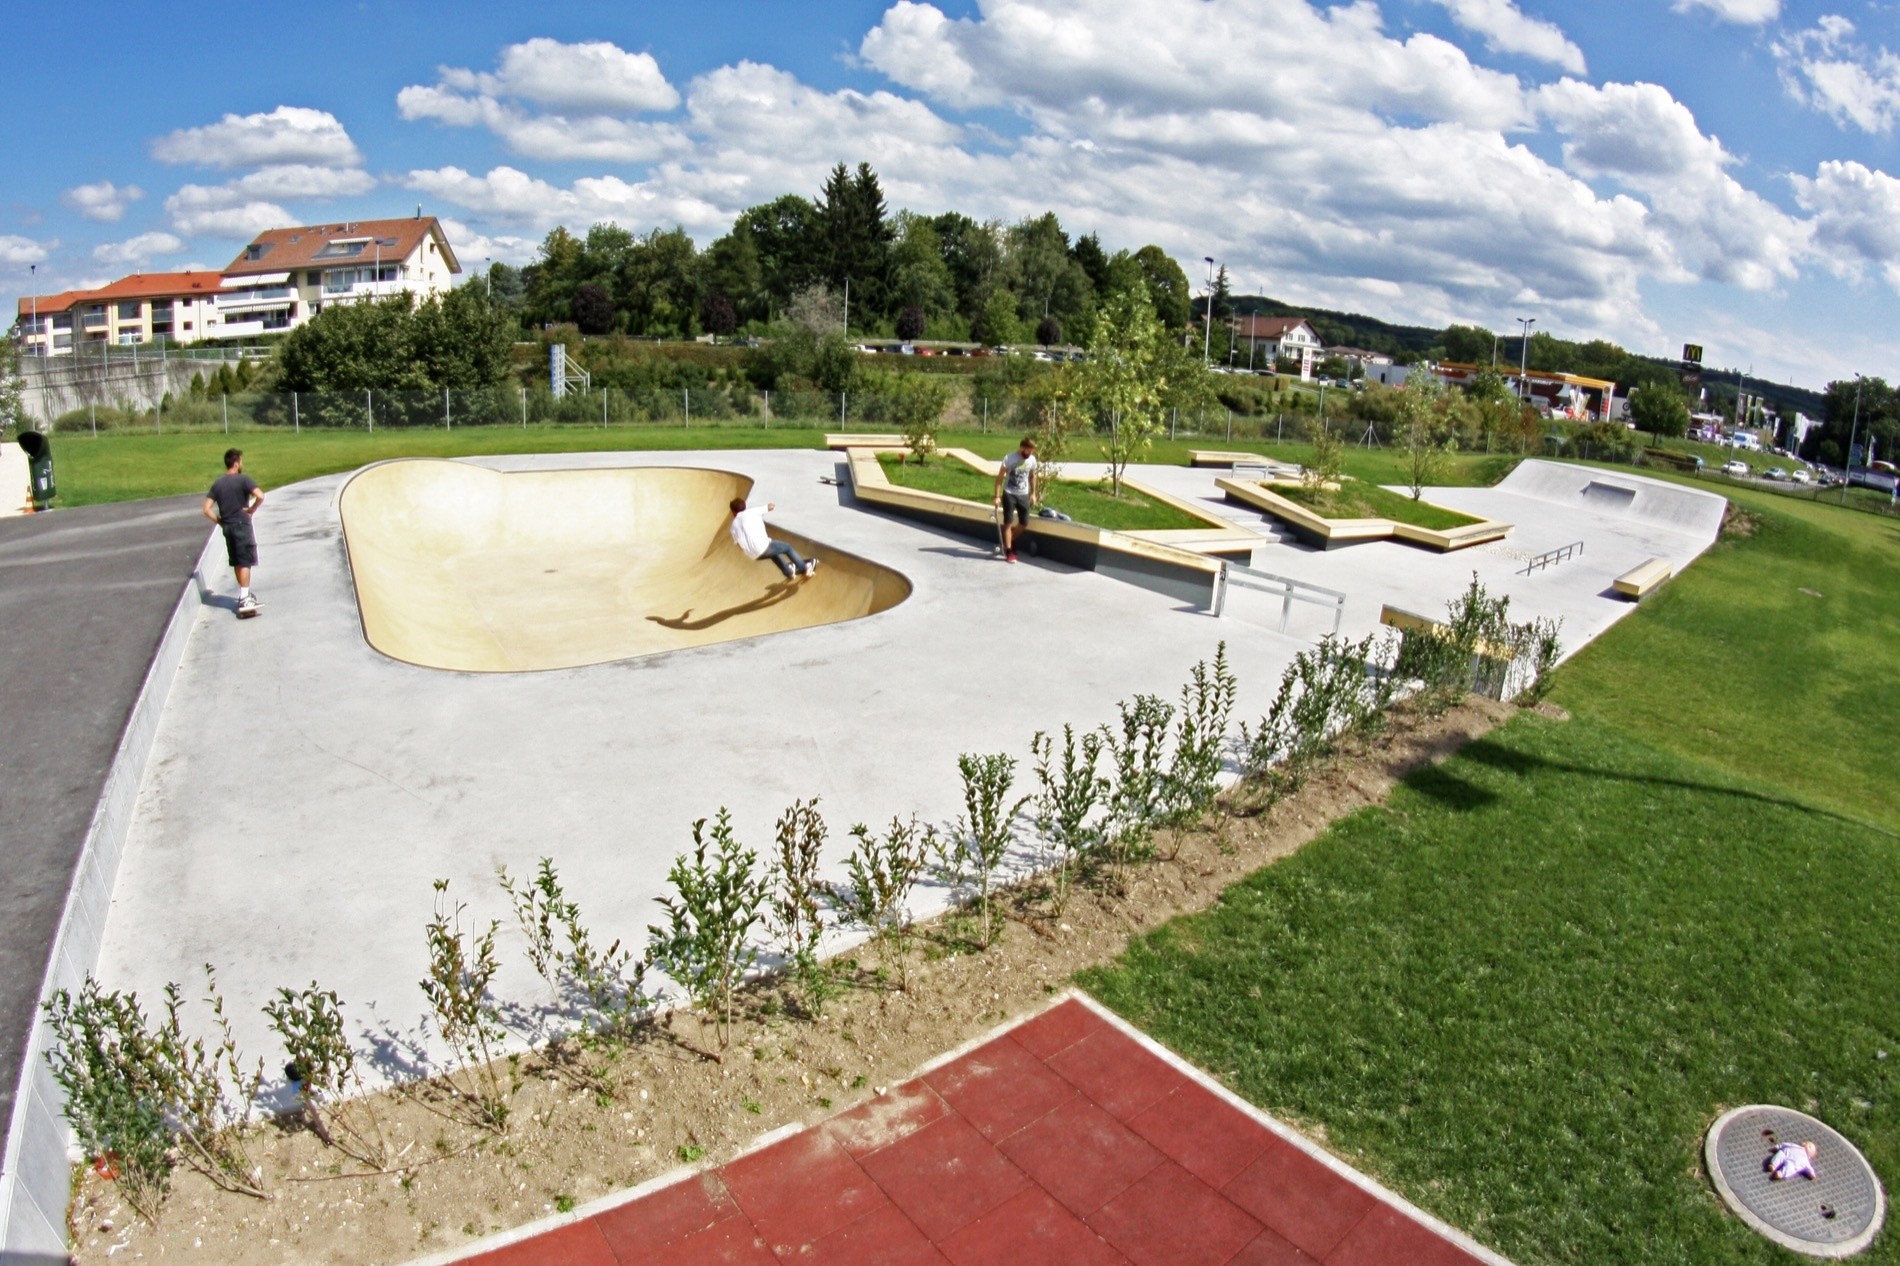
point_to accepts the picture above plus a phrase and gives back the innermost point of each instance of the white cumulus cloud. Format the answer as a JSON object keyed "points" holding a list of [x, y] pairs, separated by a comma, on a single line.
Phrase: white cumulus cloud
{"points": [[1741, 12], [288, 134], [136, 250], [22, 251], [1508, 29], [557, 102], [102, 200], [1856, 218], [247, 205], [1826, 68]]}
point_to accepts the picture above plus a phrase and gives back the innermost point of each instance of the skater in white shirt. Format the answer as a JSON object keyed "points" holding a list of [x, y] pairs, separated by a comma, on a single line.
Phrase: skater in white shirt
{"points": [[749, 534]]}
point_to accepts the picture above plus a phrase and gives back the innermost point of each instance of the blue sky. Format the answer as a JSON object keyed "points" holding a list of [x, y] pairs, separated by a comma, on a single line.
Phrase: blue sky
{"points": [[1716, 171]]}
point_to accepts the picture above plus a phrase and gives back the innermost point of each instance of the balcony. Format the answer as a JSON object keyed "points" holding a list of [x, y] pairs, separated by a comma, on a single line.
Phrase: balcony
{"points": [[352, 292], [260, 297]]}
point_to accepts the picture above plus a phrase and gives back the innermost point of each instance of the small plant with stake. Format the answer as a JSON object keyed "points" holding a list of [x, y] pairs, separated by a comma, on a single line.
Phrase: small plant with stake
{"points": [[794, 903], [104, 1057], [323, 1068], [879, 876], [461, 968], [1137, 779], [1068, 792], [706, 943], [981, 844], [1193, 777], [604, 984]]}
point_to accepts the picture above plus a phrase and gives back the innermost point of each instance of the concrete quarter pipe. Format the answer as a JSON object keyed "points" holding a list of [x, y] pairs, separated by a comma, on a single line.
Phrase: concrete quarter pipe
{"points": [[460, 567]]}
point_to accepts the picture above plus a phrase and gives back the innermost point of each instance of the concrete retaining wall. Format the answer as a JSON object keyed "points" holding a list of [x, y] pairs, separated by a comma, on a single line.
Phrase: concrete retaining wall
{"points": [[61, 384], [35, 1168]]}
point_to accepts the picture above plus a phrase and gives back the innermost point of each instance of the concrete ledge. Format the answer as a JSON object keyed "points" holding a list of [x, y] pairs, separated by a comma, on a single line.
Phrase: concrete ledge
{"points": [[1643, 579], [35, 1169], [1163, 567], [1315, 529]]}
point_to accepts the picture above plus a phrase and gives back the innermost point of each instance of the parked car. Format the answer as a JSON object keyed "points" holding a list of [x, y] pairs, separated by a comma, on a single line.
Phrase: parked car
{"points": [[1738, 469], [1799, 476], [1774, 472]]}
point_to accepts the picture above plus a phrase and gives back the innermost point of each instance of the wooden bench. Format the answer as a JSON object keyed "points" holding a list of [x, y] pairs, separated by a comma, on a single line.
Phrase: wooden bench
{"points": [[1638, 582]]}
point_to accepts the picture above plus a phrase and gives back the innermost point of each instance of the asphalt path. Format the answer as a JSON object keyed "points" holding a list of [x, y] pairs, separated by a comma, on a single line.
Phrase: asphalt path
{"points": [[85, 595]]}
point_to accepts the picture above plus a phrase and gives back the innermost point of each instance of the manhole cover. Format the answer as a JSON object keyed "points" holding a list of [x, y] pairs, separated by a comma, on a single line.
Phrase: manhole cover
{"points": [[1834, 1214]]}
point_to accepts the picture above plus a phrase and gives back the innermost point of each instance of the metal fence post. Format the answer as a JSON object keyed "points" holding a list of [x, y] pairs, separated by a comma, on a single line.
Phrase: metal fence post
{"points": [[447, 423], [224, 403], [369, 410], [986, 415], [296, 423], [686, 404], [768, 410], [92, 413], [1230, 426], [524, 407], [158, 416], [842, 424]]}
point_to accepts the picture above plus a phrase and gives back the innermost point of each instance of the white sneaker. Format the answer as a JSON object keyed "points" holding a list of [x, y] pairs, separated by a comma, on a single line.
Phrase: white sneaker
{"points": [[811, 567], [247, 606]]}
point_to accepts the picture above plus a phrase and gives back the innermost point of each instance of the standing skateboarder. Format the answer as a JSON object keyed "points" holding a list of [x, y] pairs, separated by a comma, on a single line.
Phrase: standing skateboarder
{"points": [[749, 534], [1017, 489], [232, 501]]}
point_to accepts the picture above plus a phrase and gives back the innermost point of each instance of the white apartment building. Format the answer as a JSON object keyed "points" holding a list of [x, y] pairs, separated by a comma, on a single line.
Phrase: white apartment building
{"points": [[286, 276], [179, 307]]}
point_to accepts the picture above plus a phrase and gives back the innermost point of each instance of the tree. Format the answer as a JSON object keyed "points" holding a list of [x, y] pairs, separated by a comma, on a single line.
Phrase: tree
{"points": [[1123, 379], [1088, 252], [1168, 289], [914, 404], [1048, 331], [504, 284], [920, 278], [731, 267], [995, 325], [462, 341], [854, 237], [593, 308], [717, 314], [12, 388], [1468, 344], [974, 255], [1660, 410], [1424, 431], [783, 235], [350, 347], [549, 282], [911, 323], [1039, 270]]}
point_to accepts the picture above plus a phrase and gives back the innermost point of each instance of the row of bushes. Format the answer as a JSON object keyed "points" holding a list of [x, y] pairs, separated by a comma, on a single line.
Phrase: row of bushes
{"points": [[146, 1096]]}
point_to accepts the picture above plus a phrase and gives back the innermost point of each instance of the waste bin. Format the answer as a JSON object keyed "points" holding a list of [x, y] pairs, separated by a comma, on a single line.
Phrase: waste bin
{"points": [[39, 466]]}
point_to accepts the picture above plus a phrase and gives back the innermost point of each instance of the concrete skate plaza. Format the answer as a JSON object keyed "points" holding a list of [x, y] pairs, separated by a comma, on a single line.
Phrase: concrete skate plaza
{"points": [[461, 567], [304, 789]]}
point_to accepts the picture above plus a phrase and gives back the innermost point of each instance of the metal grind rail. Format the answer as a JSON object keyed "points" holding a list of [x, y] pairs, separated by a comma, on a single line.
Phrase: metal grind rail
{"points": [[1289, 589], [1551, 557]]}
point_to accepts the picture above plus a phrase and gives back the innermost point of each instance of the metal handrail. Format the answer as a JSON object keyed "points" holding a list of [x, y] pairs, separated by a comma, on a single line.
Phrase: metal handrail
{"points": [[1289, 589], [1551, 557]]}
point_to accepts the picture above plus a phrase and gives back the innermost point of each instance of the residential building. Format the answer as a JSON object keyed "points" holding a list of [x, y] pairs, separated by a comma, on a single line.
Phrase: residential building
{"points": [[176, 307], [282, 279], [1277, 337], [1359, 356], [286, 276]]}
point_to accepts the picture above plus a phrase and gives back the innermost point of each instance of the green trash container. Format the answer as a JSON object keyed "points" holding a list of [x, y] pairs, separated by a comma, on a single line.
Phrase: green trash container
{"points": [[39, 464]]}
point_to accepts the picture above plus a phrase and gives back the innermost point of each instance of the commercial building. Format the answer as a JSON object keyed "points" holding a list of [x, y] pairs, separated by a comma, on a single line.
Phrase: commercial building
{"points": [[1554, 394]]}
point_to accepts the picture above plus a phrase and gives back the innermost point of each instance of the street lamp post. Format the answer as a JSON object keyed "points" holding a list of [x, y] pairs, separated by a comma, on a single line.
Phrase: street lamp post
{"points": [[489, 277], [1207, 329], [33, 284], [1847, 466], [847, 308], [1524, 357]]}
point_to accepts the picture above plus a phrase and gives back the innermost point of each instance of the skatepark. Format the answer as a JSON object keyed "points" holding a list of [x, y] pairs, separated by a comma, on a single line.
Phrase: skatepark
{"points": [[466, 665]]}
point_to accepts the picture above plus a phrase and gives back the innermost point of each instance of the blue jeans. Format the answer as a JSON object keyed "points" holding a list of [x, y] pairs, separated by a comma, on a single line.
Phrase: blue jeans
{"points": [[784, 555]]}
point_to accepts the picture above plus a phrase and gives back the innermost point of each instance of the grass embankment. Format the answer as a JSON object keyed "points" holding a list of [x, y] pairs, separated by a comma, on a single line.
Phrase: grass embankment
{"points": [[1521, 989], [1357, 499], [126, 467], [1085, 503]]}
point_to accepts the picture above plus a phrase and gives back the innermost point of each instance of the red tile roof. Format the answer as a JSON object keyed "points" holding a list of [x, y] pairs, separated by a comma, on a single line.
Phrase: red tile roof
{"points": [[1268, 327], [285, 250], [137, 286]]}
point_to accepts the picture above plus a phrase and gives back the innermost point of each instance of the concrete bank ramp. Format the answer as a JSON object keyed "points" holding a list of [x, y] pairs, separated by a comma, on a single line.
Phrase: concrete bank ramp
{"points": [[460, 567], [1613, 493]]}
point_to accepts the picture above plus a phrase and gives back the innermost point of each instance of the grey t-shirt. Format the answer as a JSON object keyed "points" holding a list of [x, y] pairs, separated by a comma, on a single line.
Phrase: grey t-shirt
{"points": [[1016, 472], [231, 494]]}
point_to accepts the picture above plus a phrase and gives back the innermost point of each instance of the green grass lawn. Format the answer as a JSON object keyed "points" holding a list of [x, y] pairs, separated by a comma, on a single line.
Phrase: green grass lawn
{"points": [[1357, 499], [1085, 503], [126, 467], [1521, 989]]}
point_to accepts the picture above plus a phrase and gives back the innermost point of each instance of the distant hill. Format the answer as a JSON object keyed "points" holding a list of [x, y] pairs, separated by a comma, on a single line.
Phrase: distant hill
{"points": [[1411, 342]]}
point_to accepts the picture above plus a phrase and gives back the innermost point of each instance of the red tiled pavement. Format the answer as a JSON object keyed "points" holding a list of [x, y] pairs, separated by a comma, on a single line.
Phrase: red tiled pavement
{"points": [[1063, 1140]]}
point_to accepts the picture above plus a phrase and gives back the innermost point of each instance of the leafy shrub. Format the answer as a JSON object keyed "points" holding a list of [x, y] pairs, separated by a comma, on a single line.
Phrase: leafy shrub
{"points": [[604, 985], [1068, 792], [879, 876], [322, 1067], [461, 968], [706, 944], [793, 903], [976, 852]]}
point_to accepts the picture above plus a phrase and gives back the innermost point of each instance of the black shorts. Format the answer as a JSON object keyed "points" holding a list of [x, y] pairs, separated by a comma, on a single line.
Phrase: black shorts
{"points": [[1017, 504], [240, 543]]}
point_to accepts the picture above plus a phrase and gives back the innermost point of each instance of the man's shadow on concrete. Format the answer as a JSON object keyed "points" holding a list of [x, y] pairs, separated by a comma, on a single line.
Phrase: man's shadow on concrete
{"points": [[770, 598]]}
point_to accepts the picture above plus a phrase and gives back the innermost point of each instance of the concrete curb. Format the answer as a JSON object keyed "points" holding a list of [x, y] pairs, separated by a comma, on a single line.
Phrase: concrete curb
{"points": [[35, 1169]]}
